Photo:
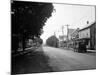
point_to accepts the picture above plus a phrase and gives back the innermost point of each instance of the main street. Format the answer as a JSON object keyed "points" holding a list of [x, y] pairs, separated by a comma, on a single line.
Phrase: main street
{"points": [[66, 60], [49, 59]]}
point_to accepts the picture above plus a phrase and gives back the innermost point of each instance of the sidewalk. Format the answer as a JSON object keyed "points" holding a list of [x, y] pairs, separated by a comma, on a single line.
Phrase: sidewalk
{"points": [[73, 49], [89, 52], [92, 51], [32, 62], [21, 52]]}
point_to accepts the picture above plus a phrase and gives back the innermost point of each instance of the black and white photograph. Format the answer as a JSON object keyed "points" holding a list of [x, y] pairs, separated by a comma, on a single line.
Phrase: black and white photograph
{"points": [[52, 37]]}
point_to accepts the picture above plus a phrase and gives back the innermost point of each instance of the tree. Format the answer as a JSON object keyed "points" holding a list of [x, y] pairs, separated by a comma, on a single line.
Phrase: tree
{"points": [[52, 41], [28, 19]]}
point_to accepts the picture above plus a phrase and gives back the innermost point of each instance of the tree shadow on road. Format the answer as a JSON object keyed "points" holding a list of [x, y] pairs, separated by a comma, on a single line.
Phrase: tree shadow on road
{"points": [[34, 62]]}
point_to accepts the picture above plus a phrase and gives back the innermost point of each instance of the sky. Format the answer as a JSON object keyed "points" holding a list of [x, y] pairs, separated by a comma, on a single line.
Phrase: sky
{"points": [[76, 16]]}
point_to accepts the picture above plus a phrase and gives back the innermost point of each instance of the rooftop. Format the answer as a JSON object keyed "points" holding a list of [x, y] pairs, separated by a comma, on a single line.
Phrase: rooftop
{"points": [[87, 26]]}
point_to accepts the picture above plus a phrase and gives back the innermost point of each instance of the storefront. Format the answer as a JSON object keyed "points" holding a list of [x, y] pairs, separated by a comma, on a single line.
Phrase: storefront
{"points": [[81, 45]]}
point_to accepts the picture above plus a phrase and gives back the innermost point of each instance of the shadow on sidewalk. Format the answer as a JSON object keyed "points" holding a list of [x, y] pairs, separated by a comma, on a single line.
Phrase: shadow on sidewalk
{"points": [[32, 62]]}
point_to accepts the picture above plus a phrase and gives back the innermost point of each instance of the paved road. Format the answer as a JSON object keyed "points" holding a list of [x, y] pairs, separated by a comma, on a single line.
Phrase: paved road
{"points": [[64, 60]]}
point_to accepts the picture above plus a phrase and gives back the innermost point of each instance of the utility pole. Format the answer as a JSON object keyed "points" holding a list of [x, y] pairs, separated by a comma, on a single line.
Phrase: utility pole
{"points": [[63, 32], [54, 33], [67, 35], [67, 31]]}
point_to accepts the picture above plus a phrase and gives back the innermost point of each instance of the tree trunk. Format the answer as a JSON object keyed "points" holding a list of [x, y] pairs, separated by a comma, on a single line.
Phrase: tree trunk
{"points": [[23, 43]]}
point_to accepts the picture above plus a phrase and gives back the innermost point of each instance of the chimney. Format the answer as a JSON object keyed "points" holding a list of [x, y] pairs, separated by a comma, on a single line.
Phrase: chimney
{"points": [[87, 22]]}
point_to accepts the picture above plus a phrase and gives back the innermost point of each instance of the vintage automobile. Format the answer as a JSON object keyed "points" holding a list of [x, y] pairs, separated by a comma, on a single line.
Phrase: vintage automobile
{"points": [[80, 45]]}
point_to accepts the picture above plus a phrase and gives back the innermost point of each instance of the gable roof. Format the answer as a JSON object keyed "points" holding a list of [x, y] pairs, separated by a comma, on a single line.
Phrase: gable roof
{"points": [[70, 31], [87, 26]]}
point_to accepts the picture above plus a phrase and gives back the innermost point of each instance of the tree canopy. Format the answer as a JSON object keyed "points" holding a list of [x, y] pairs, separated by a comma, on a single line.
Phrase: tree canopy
{"points": [[28, 19], [52, 41]]}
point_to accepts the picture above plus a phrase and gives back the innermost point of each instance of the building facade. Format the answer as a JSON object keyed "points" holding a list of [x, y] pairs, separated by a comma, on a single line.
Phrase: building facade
{"points": [[88, 35], [84, 34], [64, 40], [93, 36]]}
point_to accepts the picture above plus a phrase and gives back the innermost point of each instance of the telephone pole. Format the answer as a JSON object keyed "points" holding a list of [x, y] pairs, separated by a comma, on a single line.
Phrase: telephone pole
{"points": [[54, 33], [67, 31], [63, 32]]}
